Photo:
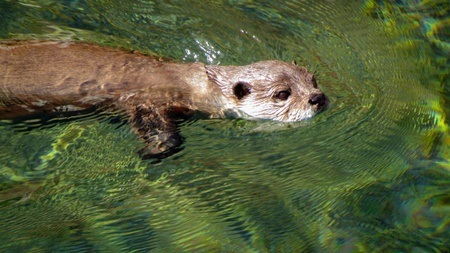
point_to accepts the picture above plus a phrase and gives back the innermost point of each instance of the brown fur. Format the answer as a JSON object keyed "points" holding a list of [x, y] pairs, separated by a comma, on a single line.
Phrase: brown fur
{"points": [[55, 77]]}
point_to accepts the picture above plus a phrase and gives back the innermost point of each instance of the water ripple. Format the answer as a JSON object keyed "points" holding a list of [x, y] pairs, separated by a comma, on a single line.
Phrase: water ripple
{"points": [[367, 174]]}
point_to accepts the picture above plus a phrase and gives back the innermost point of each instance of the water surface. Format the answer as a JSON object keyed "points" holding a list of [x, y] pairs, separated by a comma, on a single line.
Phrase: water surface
{"points": [[370, 174]]}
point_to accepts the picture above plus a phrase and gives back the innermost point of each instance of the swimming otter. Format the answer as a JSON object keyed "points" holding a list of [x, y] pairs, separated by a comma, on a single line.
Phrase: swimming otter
{"points": [[58, 77]]}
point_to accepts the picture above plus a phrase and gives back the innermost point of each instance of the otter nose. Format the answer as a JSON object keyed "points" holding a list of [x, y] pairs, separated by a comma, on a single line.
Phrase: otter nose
{"points": [[318, 99]]}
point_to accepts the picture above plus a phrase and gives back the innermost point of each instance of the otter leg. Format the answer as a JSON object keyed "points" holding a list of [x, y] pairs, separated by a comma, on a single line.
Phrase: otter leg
{"points": [[158, 128]]}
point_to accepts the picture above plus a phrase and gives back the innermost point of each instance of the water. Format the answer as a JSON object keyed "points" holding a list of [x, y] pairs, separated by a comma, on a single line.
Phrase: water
{"points": [[371, 174]]}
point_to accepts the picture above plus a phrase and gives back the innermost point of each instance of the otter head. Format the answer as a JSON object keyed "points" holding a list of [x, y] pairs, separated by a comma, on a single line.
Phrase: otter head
{"points": [[272, 90]]}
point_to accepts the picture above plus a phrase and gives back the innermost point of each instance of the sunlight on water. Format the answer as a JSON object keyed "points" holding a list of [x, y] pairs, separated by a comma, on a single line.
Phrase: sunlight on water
{"points": [[370, 174]]}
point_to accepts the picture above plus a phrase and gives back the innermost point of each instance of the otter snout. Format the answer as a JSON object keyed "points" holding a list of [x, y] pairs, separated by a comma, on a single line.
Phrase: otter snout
{"points": [[318, 99]]}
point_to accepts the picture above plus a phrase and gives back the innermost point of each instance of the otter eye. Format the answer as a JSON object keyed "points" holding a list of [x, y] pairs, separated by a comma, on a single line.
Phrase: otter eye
{"points": [[283, 95]]}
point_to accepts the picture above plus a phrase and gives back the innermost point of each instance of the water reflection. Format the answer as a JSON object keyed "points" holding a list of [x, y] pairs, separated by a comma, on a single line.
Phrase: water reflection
{"points": [[369, 174]]}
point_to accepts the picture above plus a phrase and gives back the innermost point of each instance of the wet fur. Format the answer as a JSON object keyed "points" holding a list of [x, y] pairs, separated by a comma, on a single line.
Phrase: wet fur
{"points": [[39, 78]]}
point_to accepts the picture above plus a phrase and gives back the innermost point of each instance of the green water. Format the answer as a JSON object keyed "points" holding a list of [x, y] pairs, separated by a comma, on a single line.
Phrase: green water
{"points": [[370, 174]]}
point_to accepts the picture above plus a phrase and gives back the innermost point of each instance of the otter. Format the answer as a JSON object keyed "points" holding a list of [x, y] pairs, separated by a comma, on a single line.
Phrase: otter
{"points": [[58, 78]]}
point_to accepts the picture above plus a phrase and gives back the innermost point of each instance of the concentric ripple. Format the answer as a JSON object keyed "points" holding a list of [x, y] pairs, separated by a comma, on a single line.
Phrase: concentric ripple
{"points": [[369, 174]]}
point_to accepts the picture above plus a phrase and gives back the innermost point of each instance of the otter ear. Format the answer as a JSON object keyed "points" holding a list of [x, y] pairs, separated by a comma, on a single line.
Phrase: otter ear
{"points": [[225, 77], [294, 62], [222, 76], [241, 89]]}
